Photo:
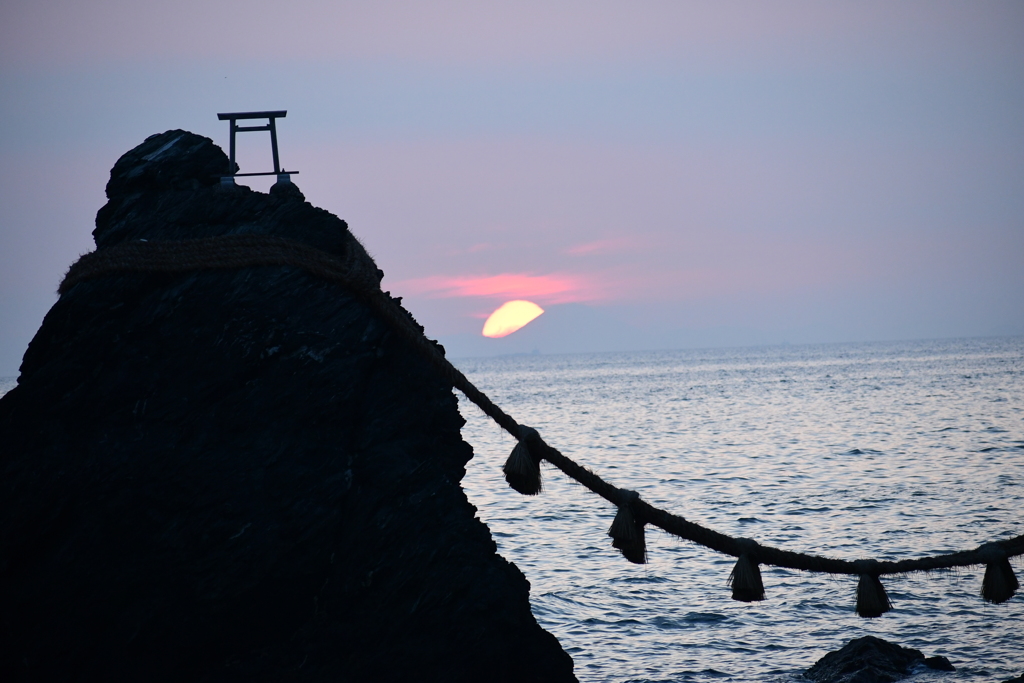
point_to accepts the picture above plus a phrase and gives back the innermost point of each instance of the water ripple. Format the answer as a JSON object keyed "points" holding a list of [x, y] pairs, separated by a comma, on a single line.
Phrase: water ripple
{"points": [[882, 450]]}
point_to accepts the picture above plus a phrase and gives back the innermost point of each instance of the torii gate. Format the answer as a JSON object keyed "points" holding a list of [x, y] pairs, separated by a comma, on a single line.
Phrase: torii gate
{"points": [[271, 125]]}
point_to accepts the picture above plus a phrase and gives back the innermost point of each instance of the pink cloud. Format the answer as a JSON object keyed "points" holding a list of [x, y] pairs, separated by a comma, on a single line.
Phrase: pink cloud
{"points": [[552, 289], [600, 247]]}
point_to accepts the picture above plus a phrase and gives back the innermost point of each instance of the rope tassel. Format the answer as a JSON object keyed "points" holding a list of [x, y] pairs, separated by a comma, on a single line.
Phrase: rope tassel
{"points": [[522, 469], [745, 579], [872, 600], [999, 583], [627, 531]]}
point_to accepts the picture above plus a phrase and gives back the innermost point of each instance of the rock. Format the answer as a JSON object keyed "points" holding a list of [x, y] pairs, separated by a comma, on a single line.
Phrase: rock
{"points": [[287, 189], [939, 663], [872, 660], [1018, 679], [241, 475]]}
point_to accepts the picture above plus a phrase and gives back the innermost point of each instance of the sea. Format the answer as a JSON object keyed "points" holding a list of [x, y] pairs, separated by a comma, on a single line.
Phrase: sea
{"points": [[873, 450]]}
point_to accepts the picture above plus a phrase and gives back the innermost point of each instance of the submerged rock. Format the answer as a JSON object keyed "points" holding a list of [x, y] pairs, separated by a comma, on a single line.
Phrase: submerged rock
{"points": [[241, 474], [872, 660]]}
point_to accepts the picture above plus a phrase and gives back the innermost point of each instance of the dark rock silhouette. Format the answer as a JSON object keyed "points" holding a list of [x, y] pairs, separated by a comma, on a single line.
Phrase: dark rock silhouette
{"points": [[241, 474], [872, 660]]}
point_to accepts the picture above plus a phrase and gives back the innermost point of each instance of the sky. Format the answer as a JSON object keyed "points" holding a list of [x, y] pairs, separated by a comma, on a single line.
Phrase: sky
{"points": [[654, 175]]}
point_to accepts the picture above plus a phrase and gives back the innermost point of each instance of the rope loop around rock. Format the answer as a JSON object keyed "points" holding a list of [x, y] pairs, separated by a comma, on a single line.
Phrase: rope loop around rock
{"points": [[353, 270]]}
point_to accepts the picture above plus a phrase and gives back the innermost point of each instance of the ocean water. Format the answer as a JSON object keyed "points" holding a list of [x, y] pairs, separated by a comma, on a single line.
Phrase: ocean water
{"points": [[884, 450]]}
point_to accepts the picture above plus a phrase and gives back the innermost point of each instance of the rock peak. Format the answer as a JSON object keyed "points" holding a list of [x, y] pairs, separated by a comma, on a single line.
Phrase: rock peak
{"points": [[174, 160], [168, 188]]}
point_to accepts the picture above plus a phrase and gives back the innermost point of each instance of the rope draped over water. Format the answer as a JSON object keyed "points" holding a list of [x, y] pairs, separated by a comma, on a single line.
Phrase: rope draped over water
{"points": [[354, 270]]}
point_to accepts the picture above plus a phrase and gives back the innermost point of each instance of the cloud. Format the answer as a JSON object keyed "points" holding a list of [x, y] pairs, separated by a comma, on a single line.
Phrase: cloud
{"points": [[551, 289], [609, 246]]}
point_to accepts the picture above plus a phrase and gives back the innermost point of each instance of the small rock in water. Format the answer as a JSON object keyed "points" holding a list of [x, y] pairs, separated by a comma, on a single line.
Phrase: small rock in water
{"points": [[939, 663], [872, 660]]}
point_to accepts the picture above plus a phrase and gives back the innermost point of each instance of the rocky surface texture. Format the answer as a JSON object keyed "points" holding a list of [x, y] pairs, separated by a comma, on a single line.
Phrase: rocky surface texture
{"points": [[873, 660], [241, 474]]}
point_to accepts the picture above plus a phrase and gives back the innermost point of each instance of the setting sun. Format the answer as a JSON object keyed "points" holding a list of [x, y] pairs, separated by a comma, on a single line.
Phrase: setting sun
{"points": [[510, 317]]}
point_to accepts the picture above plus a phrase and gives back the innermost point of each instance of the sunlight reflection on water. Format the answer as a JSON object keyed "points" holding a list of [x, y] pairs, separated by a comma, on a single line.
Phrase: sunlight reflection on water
{"points": [[883, 450]]}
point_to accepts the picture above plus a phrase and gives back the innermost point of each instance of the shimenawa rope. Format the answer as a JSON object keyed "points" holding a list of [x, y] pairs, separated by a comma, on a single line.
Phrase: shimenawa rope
{"points": [[522, 470]]}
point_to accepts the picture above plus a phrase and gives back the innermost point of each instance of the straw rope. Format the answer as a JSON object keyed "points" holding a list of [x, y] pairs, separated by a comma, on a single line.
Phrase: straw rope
{"points": [[354, 270]]}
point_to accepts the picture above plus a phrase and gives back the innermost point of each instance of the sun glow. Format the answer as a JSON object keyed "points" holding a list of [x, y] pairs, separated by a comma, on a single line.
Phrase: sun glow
{"points": [[509, 317]]}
